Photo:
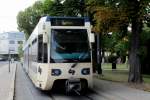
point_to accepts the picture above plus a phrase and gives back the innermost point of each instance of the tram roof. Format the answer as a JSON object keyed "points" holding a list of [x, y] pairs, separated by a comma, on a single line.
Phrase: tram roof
{"points": [[49, 18]]}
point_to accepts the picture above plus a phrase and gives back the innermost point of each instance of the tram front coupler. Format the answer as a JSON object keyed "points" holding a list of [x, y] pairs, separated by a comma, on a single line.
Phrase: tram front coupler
{"points": [[73, 85]]}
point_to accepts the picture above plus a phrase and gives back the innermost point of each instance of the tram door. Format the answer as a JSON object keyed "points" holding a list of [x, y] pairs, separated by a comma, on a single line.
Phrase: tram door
{"points": [[42, 54]]}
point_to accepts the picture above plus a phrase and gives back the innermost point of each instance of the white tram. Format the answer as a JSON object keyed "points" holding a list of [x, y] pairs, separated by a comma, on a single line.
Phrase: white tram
{"points": [[58, 52]]}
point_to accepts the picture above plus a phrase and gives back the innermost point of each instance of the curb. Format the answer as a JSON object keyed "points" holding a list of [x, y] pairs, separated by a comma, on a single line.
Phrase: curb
{"points": [[12, 86]]}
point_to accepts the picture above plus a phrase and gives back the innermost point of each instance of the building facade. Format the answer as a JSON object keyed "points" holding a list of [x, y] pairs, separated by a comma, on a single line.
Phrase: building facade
{"points": [[10, 41]]}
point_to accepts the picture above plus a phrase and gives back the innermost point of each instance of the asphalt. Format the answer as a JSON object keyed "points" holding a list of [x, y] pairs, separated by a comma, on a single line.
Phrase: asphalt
{"points": [[25, 90], [7, 80]]}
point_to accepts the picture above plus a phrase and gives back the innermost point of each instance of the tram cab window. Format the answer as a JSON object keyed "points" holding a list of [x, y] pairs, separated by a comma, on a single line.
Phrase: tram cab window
{"points": [[42, 50], [69, 45]]}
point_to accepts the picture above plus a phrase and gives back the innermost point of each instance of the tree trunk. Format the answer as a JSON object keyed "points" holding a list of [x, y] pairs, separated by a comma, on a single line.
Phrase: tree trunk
{"points": [[134, 60], [94, 56]]}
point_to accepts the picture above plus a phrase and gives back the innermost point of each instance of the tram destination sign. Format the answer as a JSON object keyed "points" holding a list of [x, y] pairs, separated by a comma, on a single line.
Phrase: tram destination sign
{"points": [[67, 22]]}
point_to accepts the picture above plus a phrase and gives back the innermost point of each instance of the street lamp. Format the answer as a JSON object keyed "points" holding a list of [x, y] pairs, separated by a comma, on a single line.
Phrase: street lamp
{"points": [[9, 58]]}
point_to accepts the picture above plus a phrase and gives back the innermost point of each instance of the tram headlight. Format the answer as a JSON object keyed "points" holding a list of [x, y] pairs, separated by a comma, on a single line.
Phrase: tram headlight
{"points": [[85, 71], [55, 72]]}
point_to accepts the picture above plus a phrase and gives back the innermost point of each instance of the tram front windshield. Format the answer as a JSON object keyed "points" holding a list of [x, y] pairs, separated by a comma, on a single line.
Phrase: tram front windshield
{"points": [[69, 45]]}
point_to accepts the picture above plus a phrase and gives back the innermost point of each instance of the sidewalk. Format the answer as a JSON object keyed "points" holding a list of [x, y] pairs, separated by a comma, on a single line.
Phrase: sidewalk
{"points": [[7, 81], [117, 91]]}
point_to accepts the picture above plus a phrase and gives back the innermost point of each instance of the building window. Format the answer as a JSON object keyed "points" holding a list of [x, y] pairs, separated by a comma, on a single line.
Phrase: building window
{"points": [[12, 49], [20, 42], [11, 42]]}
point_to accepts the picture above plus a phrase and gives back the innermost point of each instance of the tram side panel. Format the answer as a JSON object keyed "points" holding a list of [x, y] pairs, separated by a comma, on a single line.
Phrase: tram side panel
{"points": [[26, 57], [33, 61], [36, 58]]}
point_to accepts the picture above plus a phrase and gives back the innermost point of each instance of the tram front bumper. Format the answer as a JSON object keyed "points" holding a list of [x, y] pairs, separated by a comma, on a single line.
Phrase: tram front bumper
{"points": [[73, 85]]}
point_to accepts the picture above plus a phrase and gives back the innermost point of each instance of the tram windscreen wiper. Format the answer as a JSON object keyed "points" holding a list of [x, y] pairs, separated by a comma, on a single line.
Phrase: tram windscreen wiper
{"points": [[74, 65], [83, 56]]}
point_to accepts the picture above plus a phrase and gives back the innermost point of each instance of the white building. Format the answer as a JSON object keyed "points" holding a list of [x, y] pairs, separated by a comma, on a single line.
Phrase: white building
{"points": [[10, 41]]}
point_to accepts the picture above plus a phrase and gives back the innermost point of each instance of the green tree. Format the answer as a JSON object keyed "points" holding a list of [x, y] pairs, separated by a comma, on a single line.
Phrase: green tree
{"points": [[115, 16], [20, 51], [107, 18], [28, 18], [136, 14], [74, 7], [53, 8]]}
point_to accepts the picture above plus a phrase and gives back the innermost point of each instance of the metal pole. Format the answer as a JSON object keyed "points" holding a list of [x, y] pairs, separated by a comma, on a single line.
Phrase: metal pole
{"points": [[99, 54], [9, 61]]}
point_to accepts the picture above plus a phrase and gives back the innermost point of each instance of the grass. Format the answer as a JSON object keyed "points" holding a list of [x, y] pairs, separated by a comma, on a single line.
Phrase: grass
{"points": [[116, 75], [119, 66], [121, 75], [146, 78]]}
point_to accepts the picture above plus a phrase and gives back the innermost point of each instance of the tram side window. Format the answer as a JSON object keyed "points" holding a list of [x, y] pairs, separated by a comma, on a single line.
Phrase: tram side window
{"points": [[40, 38], [34, 50], [42, 50]]}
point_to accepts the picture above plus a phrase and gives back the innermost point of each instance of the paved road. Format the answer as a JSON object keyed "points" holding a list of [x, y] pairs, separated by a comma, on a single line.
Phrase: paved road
{"points": [[25, 90], [6, 80], [3, 63]]}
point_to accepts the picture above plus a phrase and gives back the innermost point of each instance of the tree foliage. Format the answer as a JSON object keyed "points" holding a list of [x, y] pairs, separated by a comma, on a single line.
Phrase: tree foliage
{"points": [[53, 8], [108, 16], [20, 51], [74, 7], [28, 18]]}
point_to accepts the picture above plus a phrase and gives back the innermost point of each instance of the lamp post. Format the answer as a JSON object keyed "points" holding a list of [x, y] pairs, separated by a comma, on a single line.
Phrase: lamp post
{"points": [[9, 58]]}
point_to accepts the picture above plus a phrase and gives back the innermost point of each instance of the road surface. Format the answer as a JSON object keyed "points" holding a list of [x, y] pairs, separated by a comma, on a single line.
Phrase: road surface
{"points": [[25, 90]]}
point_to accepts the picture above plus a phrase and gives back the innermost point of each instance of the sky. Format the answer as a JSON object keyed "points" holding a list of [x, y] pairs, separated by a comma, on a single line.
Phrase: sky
{"points": [[8, 13]]}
